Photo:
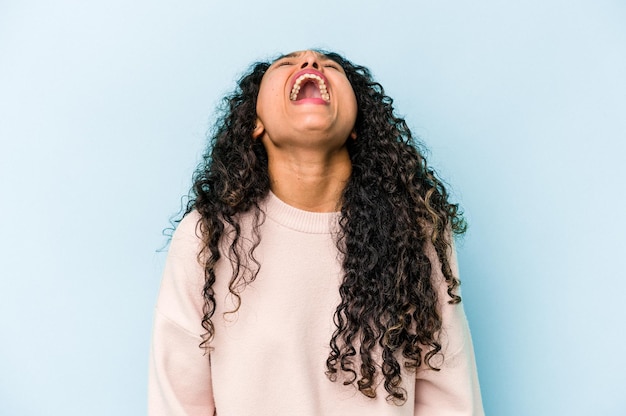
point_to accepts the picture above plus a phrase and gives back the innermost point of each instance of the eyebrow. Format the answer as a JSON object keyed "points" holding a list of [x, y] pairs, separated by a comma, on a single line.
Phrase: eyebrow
{"points": [[296, 54], [290, 55]]}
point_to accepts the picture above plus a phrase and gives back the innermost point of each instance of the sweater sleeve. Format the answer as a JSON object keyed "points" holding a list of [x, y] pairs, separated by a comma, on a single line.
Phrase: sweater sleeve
{"points": [[179, 380], [454, 390]]}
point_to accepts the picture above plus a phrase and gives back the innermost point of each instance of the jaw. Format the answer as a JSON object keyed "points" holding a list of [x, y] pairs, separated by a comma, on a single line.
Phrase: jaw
{"points": [[317, 121]]}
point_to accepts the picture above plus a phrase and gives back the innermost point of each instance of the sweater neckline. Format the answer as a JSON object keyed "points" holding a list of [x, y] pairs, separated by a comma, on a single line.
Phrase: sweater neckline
{"points": [[299, 219]]}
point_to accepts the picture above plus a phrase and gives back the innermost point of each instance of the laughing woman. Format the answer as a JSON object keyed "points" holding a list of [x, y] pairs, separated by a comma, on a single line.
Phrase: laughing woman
{"points": [[314, 271]]}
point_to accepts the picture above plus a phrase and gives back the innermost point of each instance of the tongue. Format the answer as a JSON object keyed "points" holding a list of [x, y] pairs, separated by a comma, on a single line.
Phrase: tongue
{"points": [[309, 90]]}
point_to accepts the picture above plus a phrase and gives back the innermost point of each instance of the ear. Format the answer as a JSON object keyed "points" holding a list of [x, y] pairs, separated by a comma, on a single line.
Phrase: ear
{"points": [[259, 129], [353, 135]]}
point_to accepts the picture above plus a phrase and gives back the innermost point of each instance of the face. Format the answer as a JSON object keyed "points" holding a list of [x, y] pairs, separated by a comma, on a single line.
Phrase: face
{"points": [[305, 99]]}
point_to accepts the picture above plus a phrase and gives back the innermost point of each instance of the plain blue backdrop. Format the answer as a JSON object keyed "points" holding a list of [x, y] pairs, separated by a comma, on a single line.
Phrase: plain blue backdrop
{"points": [[104, 108]]}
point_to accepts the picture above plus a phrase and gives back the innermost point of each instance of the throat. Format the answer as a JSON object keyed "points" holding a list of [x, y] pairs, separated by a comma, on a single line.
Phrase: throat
{"points": [[309, 184]]}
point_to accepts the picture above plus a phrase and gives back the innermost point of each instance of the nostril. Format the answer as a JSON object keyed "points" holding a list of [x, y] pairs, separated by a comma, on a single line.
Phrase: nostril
{"points": [[304, 65], [315, 65]]}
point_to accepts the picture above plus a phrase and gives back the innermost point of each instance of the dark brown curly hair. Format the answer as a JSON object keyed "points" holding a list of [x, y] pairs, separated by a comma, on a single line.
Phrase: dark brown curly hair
{"points": [[392, 207]]}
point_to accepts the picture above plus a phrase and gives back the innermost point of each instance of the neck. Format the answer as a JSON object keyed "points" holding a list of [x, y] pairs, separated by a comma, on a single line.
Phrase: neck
{"points": [[310, 180]]}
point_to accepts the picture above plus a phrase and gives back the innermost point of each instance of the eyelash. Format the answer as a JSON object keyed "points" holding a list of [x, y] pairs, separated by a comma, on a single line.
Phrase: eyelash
{"points": [[334, 66]]}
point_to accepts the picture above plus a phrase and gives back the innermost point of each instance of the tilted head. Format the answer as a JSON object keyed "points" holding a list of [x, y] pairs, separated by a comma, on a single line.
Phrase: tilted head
{"points": [[393, 207]]}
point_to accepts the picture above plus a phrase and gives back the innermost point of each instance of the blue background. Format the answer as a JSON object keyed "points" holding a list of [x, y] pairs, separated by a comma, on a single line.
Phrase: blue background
{"points": [[104, 108]]}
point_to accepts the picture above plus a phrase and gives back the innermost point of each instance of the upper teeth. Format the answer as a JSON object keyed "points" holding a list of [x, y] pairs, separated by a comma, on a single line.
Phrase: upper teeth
{"points": [[320, 84]]}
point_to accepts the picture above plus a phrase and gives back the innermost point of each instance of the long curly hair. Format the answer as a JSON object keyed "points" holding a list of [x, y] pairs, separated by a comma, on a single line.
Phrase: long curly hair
{"points": [[392, 207]]}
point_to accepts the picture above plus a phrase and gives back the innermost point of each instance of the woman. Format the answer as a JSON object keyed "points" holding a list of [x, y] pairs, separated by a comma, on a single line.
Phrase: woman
{"points": [[313, 272]]}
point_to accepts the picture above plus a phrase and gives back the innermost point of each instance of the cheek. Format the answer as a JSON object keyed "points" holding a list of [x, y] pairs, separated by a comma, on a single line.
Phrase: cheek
{"points": [[349, 99], [262, 104], [352, 105], [267, 99]]}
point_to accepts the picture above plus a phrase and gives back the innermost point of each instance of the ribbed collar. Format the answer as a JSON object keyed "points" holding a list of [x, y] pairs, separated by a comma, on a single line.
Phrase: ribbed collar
{"points": [[300, 220]]}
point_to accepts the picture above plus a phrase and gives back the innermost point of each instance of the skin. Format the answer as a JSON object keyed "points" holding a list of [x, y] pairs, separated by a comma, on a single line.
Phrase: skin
{"points": [[308, 161]]}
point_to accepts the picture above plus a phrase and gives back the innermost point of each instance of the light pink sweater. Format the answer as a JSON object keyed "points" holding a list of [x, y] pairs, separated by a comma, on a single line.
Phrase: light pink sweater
{"points": [[269, 357]]}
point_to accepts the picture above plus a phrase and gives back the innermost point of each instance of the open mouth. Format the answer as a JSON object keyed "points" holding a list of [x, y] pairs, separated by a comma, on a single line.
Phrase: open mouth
{"points": [[309, 85]]}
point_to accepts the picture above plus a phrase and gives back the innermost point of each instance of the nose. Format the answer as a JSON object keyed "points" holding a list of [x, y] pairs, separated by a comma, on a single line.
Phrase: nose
{"points": [[310, 59]]}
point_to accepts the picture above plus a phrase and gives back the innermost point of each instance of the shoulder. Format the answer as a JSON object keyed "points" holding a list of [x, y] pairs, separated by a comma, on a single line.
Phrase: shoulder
{"points": [[187, 237], [189, 226]]}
